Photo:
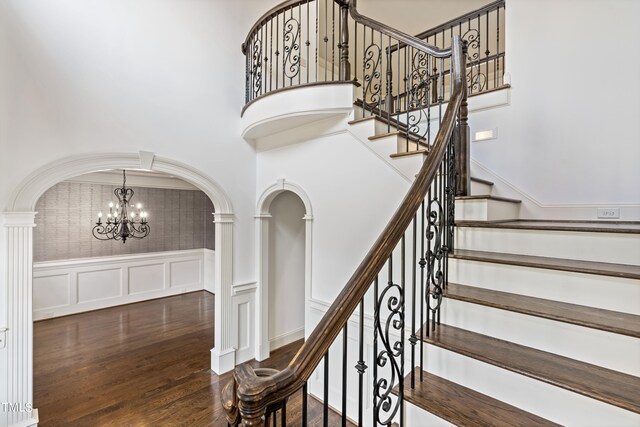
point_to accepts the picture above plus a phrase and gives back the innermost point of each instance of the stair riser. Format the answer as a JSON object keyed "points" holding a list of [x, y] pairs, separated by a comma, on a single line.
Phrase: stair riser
{"points": [[480, 189], [610, 293], [545, 400], [606, 349], [409, 166], [486, 210], [617, 248]]}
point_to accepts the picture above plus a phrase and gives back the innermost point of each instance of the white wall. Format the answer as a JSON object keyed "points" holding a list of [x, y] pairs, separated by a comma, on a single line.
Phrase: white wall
{"points": [[569, 140], [353, 192], [163, 76], [66, 287], [415, 16], [286, 270]]}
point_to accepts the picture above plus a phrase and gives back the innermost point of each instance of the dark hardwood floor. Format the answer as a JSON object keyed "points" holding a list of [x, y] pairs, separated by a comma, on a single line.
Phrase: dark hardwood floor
{"points": [[144, 364]]}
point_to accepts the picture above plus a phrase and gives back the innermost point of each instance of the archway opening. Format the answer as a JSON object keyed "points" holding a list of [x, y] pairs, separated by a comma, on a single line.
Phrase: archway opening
{"points": [[110, 314], [286, 270]]}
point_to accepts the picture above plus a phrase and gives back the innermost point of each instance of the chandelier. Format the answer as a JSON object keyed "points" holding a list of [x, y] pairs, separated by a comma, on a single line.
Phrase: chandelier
{"points": [[124, 221]]}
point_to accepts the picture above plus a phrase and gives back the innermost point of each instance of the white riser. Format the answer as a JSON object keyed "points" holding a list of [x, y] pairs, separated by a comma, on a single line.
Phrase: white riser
{"points": [[486, 210], [480, 189], [609, 350], [409, 166], [415, 416], [550, 402], [617, 248], [592, 290]]}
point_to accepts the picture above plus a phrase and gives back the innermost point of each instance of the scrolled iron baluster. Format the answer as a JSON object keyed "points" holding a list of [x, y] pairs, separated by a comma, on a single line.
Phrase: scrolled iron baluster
{"points": [[372, 76], [386, 406], [419, 86], [256, 67], [434, 257], [291, 49]]}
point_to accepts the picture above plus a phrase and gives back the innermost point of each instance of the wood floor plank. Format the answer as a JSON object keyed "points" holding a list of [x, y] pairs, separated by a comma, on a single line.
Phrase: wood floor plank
{"points": [[463, 406], [139, 365], [608, 386], [571, 265], [596, 318]]}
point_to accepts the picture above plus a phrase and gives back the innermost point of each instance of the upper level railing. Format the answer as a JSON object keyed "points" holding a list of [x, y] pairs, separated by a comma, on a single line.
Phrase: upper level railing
{"points": [[404, 274]]}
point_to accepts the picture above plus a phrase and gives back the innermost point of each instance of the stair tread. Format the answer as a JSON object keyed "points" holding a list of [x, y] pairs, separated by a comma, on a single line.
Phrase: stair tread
{"points": [[463, 406], [408, 153], [593, 381], [596, 318], [482, 181], [587, 226], [488, 197], [573, 265]]}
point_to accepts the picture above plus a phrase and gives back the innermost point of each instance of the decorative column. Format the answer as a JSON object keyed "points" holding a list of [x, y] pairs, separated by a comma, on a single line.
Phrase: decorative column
{"points": [[18, 238], [263, 349], [223, 354]]}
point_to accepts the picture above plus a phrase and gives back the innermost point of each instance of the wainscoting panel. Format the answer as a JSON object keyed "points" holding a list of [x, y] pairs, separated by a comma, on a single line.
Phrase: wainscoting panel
{"points": [[51, 291], [244, 300], [72, 286], [146, 278], [99, 284], [186, 273]]}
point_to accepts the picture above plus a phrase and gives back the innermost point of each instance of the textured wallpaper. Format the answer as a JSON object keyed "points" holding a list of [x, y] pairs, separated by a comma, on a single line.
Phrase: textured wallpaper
{"points": [[179, 219]]}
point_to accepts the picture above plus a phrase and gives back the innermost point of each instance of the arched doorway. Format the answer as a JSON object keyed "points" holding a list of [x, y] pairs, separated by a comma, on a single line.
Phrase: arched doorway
{"points": [[18, 259], [277, 200]]}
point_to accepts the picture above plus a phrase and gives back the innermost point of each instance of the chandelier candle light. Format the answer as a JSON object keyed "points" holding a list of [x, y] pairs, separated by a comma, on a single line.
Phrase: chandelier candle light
{"points": [[122, 224]]}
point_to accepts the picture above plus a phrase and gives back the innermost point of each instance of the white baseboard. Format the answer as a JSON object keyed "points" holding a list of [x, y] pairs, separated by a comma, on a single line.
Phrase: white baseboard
{"points": [[286, 338]]}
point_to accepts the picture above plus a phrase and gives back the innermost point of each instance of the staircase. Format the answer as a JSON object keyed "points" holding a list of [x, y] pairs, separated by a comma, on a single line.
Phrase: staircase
{"points": [[538, 319], [462, 313]]}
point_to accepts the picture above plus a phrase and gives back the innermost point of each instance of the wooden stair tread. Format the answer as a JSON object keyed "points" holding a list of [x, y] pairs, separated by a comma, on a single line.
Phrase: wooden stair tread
{"points": [[488, 197], [408, 153], [586, 226], [463, 406], [596, 318], [572, 265], [482, 181], [593, 381]]}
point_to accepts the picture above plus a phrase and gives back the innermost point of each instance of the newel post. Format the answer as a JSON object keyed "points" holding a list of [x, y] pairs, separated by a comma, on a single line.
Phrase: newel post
{"points": [[345, 65], [463, 150]]}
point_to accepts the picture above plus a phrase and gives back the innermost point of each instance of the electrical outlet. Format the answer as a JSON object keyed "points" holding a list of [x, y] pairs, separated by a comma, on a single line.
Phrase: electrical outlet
{"points": [[609, 213]]}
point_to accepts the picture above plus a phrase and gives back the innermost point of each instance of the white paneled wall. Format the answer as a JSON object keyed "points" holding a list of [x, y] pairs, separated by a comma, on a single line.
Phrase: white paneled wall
{"points": [[73, 286]]}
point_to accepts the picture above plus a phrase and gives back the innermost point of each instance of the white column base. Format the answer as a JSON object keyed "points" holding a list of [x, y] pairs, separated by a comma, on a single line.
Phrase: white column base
{"points": [[29, 422], [222, 362]]}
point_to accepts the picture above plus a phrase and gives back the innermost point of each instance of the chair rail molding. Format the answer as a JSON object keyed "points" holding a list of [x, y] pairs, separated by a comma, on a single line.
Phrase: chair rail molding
{"points": [[18, 257], [262, 257]]}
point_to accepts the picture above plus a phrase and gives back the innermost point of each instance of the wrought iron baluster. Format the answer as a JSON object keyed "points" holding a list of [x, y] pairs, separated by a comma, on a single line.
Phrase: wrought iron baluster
{"points": [[305, 394], [413, 339], [344, 374], [496, 62], [325, 408], [387, 407], [389, 99], [422, 264], [291, 48], [326, 37], [376, 313], [361, 367], [278, 49], [486, 52], [308, 43], [283, 414]]}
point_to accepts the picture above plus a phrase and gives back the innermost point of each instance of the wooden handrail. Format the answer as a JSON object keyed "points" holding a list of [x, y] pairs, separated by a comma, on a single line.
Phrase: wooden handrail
{"points": [[250, 394], [275, 10]]}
